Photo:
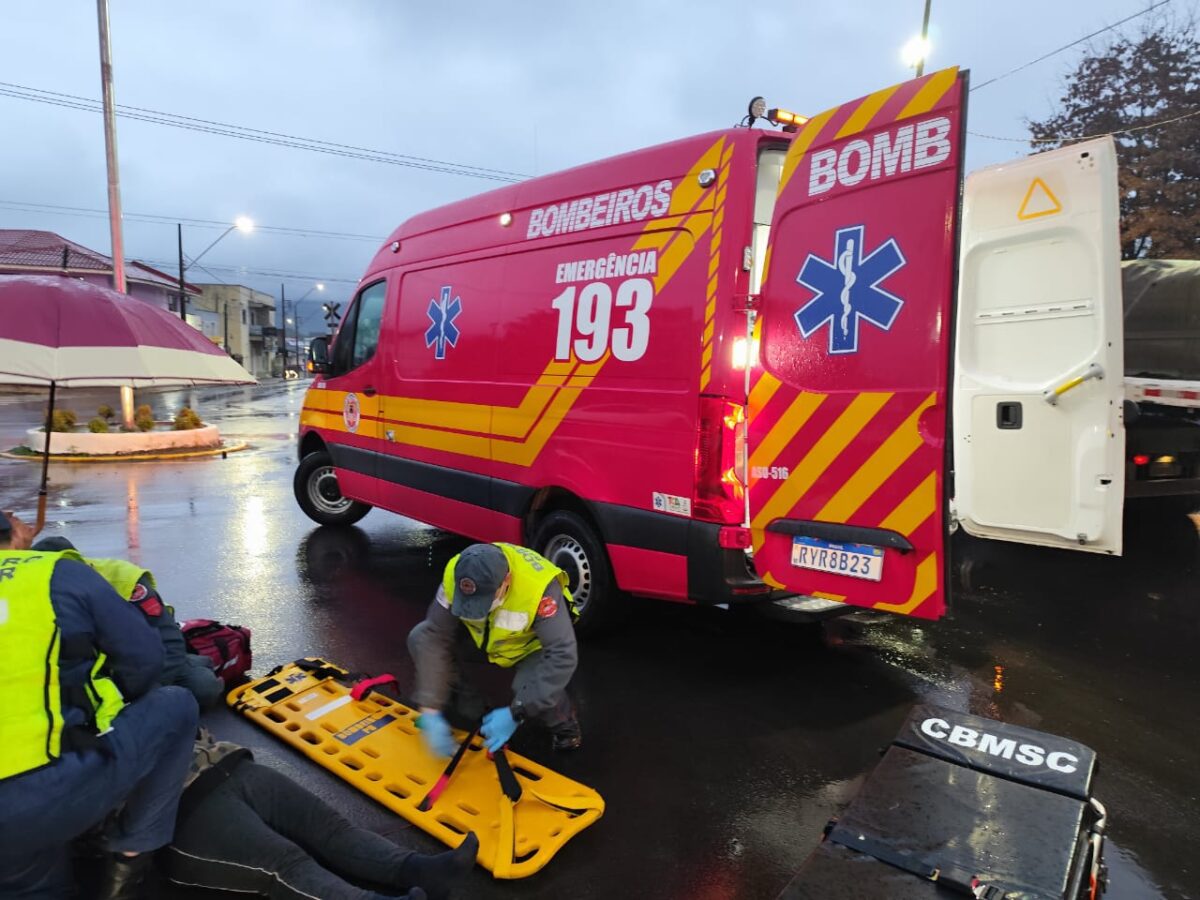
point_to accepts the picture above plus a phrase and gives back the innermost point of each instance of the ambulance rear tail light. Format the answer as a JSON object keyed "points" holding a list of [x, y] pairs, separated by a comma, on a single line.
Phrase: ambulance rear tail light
{"points": [[720, 445], [1141, 460]]}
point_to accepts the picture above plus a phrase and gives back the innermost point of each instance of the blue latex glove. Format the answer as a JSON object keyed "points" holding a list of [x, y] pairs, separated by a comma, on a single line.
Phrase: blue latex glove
{"points": [[498, 727], [436, 731]]}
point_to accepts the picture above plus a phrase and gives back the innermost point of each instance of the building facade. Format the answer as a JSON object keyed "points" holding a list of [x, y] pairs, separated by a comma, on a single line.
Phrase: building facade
{"points": [[244, 324]]}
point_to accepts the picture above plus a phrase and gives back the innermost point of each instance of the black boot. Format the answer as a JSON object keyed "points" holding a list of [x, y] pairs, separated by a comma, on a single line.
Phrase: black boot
{"points": [[439, 873], [125, 877], [567, 736]]}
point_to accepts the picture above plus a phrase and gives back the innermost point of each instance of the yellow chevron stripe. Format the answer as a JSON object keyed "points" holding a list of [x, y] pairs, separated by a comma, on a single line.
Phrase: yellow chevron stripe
{"points": [[913, 509], [924, 584], [827, 448], [764, 389], [776, 440], [928, 96], [708, 333], [866, 111], [882, 464], [705, 377], [800, 144]]}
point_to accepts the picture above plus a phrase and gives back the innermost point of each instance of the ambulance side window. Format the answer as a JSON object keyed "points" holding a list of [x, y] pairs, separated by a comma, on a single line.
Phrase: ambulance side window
{"points": [[370, 317], [359, 335]]}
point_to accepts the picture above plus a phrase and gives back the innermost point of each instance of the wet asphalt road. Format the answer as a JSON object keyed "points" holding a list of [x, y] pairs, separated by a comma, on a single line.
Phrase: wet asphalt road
{"points": [[722, 744]]}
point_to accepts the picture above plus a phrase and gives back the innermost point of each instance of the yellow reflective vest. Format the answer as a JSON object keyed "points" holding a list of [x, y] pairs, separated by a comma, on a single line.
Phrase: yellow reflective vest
{"points": [[507, 634], [31, 718], [121, 574]]}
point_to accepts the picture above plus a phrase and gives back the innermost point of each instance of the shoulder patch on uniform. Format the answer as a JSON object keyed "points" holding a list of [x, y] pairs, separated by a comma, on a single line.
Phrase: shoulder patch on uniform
{"points": [[139, 592], [547, 608]]}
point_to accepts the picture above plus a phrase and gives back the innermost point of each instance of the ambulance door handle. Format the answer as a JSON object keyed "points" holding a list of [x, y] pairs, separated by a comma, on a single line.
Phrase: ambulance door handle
{"points": [[369, 391]]}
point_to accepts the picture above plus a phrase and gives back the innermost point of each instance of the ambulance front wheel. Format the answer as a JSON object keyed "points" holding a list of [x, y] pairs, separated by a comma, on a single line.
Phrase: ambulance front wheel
{"points": [[318, 494], [569, 542]]}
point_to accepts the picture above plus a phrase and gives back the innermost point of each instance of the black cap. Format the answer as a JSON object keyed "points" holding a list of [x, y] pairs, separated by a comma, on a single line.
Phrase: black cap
{"points": [[53, 545], [477, 576]]}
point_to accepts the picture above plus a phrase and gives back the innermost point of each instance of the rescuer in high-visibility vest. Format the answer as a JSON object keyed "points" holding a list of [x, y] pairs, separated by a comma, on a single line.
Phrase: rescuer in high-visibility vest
{"points": [[510, 606], [85, 731], [138, 586]]}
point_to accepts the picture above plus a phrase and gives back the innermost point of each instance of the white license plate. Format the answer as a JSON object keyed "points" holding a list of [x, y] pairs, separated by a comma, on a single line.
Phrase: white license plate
{"points": [[853, 560]]}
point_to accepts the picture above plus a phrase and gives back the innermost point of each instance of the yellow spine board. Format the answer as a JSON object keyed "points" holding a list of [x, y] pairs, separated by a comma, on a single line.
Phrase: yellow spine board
{"points": [[374, 745]]}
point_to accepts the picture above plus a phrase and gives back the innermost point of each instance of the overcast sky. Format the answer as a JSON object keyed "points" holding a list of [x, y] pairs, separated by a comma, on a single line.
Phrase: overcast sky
{"points": [[528, 87]]}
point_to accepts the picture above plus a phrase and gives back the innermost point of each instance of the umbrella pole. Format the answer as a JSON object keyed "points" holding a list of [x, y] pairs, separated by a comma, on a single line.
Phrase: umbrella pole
{"points": [[41, 510]]}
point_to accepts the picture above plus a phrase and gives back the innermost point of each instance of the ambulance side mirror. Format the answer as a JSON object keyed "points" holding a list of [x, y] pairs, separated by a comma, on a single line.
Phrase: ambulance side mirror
{"points": [[318, 356]]}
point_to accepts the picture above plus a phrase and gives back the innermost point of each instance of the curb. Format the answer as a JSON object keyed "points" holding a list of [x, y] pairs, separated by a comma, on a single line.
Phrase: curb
{"points": [[131, 457]]}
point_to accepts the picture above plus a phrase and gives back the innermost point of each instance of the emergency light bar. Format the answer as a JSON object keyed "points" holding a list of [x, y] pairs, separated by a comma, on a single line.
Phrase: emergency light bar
{"points": [[788, 119]]}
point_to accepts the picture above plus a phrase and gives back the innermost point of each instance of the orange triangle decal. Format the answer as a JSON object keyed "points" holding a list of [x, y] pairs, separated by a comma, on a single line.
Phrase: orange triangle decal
{"points": [[1039, 201]]}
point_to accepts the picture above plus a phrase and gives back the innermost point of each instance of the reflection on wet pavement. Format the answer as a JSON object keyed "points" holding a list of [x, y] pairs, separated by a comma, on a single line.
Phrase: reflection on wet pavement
{"points": [[721, 743]]}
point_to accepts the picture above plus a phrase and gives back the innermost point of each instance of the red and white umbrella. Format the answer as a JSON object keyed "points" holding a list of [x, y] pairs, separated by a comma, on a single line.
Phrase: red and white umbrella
{"points": [[60, 331], [71, 333]]}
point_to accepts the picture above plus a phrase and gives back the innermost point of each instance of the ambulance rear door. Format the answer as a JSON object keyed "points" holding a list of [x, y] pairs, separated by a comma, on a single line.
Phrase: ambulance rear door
{"points": [[848, 406], [1039, 442]]}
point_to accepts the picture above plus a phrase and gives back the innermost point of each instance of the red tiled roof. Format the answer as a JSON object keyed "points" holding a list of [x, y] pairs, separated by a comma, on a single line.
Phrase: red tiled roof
{"points": [[45, 249], [49, 252]]}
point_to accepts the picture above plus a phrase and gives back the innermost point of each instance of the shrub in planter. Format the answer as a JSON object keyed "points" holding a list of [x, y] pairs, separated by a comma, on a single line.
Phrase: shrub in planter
{"points": [[143, 418], [187, 420], [63, 420], [98, 426], [105, 412]]}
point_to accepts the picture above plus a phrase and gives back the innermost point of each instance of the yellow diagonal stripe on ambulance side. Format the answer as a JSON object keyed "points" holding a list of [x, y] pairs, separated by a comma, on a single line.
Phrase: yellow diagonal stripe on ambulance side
{"points": [[800, 144], [930, 93], [924, 584], [913, 509], [866, 111], [799, 411], [762, 392], [827, 448], [879, 467]]}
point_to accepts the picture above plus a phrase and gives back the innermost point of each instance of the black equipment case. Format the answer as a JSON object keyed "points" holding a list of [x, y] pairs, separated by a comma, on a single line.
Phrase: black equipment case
{"points": [[970, 807]]}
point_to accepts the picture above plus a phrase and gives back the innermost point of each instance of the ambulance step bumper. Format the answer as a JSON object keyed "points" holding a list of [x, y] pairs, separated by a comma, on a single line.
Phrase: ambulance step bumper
{"points": [[801, 609]]}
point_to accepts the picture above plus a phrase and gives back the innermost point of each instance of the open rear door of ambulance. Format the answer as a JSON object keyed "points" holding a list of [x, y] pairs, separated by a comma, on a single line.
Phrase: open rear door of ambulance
{"points": [[847, 410], [1039, 442]]}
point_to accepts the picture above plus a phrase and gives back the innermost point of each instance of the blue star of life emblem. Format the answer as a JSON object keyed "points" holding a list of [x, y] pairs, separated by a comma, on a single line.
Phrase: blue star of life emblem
{"points": [[848, 290], [442, 313]]}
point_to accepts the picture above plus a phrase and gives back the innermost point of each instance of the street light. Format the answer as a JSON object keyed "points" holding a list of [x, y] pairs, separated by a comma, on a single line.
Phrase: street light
{"points": [[917, 50], [319, 286], [242, 223]]}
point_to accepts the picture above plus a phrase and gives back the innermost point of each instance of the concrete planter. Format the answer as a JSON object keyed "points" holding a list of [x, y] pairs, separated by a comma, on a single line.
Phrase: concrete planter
{"points": [[85, 443]]}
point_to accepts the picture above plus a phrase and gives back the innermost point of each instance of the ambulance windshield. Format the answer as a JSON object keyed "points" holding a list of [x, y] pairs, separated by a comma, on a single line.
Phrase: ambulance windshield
{"points": [[770, 167]]}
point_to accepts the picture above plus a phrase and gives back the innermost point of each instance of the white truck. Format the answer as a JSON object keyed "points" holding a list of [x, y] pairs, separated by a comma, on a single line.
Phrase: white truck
{"points": [[1071, 391]]}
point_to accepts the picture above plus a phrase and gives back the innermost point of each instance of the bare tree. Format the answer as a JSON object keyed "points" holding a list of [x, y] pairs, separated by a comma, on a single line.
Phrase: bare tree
{"points": [[1145, 87]]}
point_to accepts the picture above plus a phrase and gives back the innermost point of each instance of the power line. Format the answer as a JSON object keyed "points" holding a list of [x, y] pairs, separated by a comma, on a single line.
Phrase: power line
{"points": [[1086, 37], [1064, 138], [241, 132], [240, 270], [87, 212]]}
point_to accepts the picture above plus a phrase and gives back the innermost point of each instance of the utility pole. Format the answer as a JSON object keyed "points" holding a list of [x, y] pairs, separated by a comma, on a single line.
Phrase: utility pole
{"points": [[283, 307], [924, 40], [114, 181], [182, 284]]}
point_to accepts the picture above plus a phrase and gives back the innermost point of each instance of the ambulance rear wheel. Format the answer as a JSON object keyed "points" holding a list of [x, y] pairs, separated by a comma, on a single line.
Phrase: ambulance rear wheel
{"points": [[569, 542], [318, 494]]}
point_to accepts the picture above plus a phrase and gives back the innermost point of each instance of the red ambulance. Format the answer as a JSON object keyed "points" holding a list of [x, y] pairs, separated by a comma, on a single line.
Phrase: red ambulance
{"points": [[710, 371]]}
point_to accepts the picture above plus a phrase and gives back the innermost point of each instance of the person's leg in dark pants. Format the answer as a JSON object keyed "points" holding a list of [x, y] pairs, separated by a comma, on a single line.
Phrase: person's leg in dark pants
{"points": [[560, 719], [164, 734], [306, 844], [42, 811]]}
